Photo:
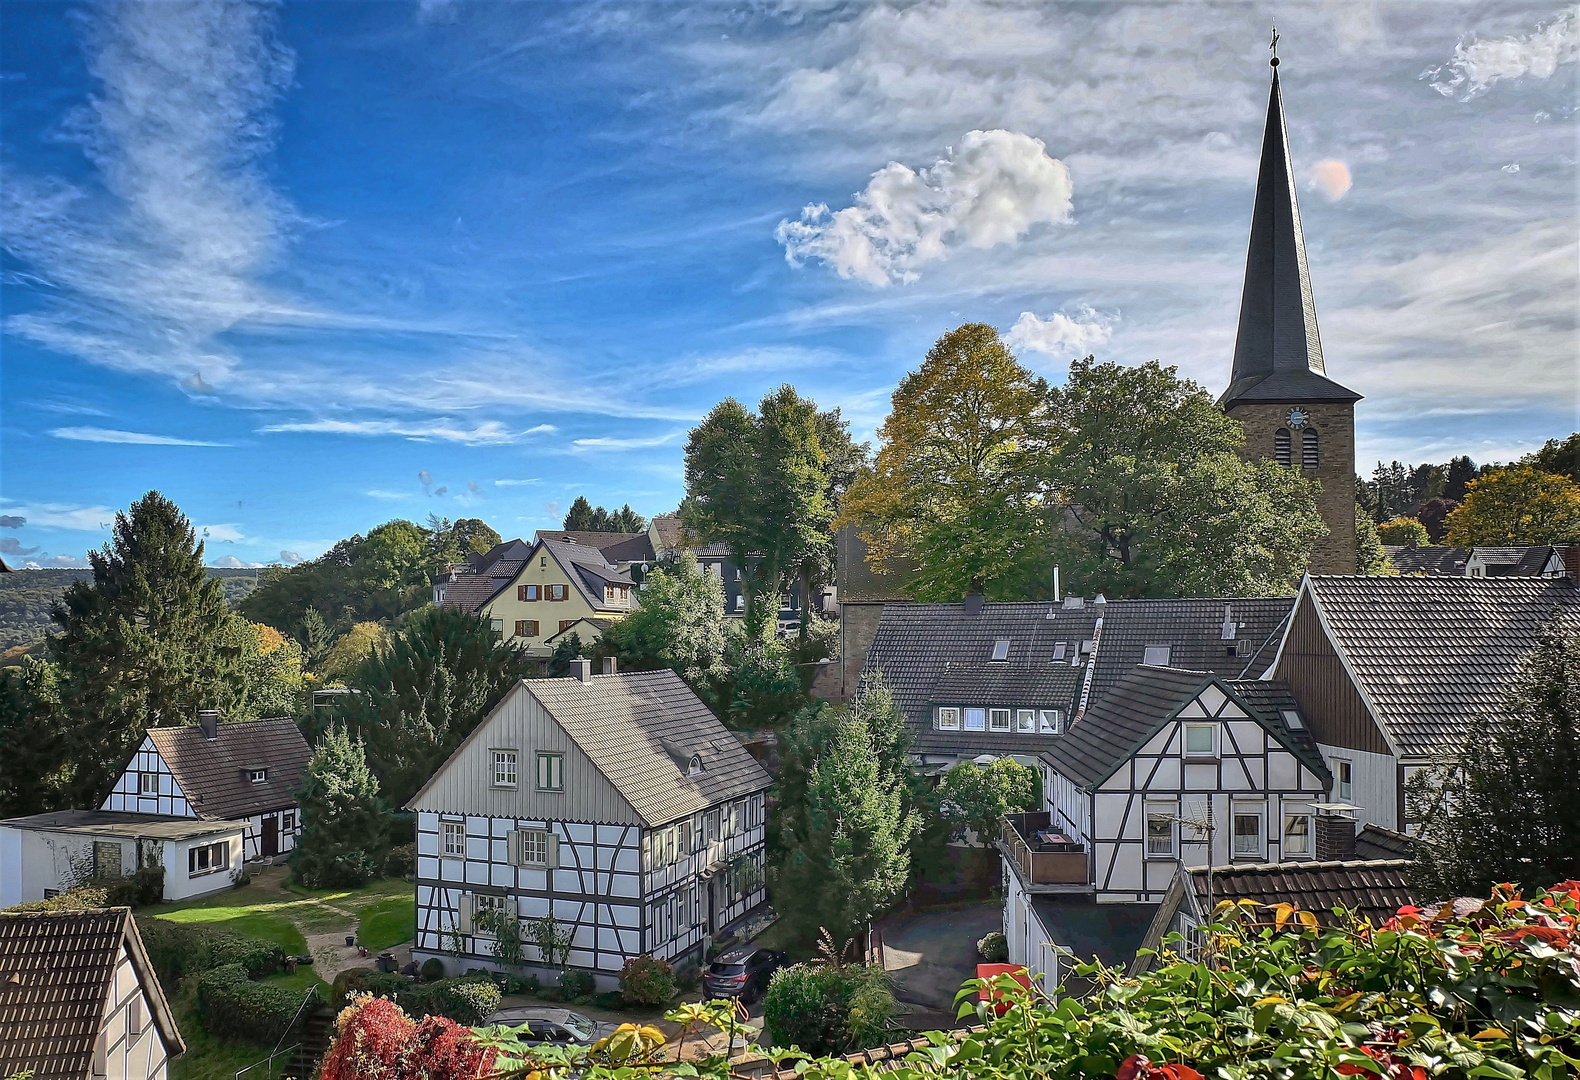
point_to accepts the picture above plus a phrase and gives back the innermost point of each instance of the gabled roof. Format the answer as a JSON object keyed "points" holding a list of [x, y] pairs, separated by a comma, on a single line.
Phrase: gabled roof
{"points": [[56, 969], [675, 537], [1375, 890], [1427, 560], [1525, 561], [617, 547], [584, 564], [1039, 686], [588, 570], [1376, 842], [1278, 349], [212, 773], [1147, 698], [919, 646], [517, 549], [631, 726], [1434, 656]]}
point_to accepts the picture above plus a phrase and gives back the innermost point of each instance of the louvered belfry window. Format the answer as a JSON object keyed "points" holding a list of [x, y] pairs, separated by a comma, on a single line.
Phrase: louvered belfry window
{"points": [[1308, 450], [1281, 446]]}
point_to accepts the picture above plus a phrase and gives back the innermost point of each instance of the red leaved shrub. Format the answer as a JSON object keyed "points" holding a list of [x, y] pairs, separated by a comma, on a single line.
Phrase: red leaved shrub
{"points": [[376, 1040]]}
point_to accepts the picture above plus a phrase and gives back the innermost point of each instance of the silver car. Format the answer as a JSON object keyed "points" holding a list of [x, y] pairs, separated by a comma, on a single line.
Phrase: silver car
{"points": [[547, 1025]]}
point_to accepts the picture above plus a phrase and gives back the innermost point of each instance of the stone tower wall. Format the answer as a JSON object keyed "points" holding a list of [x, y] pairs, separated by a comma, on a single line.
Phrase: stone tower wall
{"points": [[1335, 427]]}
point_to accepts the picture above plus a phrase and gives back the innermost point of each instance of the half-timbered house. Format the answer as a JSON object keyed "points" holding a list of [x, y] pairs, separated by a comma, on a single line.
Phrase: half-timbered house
{"points": [[244, 770], [618, 804]]}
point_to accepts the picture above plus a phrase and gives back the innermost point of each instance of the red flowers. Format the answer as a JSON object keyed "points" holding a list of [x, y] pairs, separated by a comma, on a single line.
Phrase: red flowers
{"points": [[1139, 1067], [376, 1040]]}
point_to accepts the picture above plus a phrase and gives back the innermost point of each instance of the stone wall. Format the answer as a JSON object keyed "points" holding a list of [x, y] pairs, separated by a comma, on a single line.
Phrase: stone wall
{"points": [[1334, 424]]}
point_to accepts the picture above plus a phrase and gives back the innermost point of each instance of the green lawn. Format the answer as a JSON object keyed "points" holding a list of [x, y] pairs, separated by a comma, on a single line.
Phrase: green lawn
{"points": [[388, 922], [284, 915]]}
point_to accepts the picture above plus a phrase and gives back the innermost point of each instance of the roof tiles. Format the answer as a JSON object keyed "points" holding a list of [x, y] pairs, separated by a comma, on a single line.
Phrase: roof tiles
{"points": [[212, 773], [1375, 890]]}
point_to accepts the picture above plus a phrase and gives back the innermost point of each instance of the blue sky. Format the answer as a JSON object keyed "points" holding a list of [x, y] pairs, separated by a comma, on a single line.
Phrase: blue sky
{"points": [[311, 266]]}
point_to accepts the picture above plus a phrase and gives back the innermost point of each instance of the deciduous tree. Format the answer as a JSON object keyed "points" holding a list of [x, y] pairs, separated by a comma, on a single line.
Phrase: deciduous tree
{"points": [[1517, 505], [1370, 558], [978, 796], [1403, 531], [680, 625], [1559, 456]]}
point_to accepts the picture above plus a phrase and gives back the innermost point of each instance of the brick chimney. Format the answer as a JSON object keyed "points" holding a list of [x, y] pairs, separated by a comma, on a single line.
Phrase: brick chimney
{"points": [[609, 665], [208, 720], [582, 669], [1335, 837]]}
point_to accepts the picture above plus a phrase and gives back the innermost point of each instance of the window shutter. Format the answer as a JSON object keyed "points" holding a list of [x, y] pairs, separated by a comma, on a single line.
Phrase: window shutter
{"points": [[463, 915], [554, 851], [510, 906], [514, 843]]}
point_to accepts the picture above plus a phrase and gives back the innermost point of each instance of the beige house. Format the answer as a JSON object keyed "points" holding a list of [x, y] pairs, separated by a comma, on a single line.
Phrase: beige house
{"points": [[532, 594]]}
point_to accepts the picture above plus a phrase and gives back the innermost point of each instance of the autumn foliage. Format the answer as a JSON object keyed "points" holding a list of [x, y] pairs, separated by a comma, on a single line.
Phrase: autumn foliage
{"points": [[375, 1040]]}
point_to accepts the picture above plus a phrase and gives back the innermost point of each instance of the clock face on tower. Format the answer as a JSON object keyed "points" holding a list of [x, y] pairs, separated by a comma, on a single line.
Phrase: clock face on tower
{"points": [[1297, 418]]}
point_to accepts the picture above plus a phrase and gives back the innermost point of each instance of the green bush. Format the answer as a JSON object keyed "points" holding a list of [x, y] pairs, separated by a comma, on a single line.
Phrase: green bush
{"points": [[232, 1006], [647, 981], [180, 949], [575, 983], [826, 1010], [145, 887], [432, 969], [78, 899], [993, 948], [401, 861], [466, 1000]]}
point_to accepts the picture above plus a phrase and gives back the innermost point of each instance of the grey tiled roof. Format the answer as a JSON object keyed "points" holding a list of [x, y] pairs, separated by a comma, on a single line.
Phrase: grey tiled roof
{"points": [[629, 724], [587, 569], [918, 646], [1038, 686], [469, 592], [1427, 560], [1127, 716], [1435, 655], [1376, 842], [211, 773], [616, 547], [55, 973], [1514, 561], [1372, 889]]}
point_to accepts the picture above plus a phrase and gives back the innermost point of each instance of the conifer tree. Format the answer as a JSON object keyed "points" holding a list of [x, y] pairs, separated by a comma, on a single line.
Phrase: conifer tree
{"points": [[148, 642], [34, 766], [342, 816]]}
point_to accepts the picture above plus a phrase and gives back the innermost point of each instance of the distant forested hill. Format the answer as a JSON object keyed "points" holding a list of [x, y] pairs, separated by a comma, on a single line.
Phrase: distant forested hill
{"points": [[25, 597]]}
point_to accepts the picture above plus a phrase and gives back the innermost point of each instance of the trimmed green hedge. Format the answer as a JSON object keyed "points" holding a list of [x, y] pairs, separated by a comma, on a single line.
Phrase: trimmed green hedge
{"points": [[79, 899], [180, 949], [234, 1007], [466, 1000]]}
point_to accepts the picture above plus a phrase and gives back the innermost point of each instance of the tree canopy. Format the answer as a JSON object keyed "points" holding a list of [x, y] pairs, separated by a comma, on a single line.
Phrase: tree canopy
{"points": [[1403, 531], [1517, 505], [978, 796], [680, 624], [583, 516], [1560, 456], [342, 816], [1370, 558]]}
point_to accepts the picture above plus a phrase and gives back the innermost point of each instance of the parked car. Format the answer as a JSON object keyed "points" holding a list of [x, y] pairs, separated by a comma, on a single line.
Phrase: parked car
{"points": [[551, 1025], [742, 973]]}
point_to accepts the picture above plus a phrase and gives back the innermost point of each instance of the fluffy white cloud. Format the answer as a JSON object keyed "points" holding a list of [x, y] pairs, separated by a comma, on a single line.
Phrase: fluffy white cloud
{"points": [[137, 438], [1476, 67], [993, 190], [64, 516], [223, 534], [230, 562], [1061, 335], [1332, 178], [290, 557]]}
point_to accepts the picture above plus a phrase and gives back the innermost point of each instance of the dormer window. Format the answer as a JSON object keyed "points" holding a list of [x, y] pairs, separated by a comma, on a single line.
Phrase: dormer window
{"points": [[257, 776], [694, 766], [1001, 649]]}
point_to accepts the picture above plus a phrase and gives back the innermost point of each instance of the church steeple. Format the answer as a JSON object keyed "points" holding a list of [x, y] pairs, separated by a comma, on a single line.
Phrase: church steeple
{"points": [[1278, 351]]}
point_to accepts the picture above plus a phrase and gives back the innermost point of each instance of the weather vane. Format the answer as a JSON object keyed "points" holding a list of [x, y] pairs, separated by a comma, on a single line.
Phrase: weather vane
{"points": [[1273, 45]]}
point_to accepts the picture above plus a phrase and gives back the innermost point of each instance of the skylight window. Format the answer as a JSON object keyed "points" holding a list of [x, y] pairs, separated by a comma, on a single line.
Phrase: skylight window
{"points": [[1292, 718], [1058, 650], [1001, 649], [1156, 656]]}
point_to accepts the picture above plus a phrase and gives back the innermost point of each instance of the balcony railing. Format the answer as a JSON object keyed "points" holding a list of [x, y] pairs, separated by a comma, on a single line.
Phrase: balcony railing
{"points": [[1043, 855]]}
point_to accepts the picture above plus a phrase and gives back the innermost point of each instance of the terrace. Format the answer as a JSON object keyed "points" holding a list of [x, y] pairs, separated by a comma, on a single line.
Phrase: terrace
{"points": [[1045, 859]]}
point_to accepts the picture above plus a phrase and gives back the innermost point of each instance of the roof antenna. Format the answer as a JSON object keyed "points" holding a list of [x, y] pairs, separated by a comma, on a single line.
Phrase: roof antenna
{"points": [[1273, 45]]}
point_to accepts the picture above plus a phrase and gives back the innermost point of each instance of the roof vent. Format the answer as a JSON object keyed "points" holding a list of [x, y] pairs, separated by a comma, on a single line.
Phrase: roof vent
{"points": [[1074, 603], [1099, 599], [972, 604]]}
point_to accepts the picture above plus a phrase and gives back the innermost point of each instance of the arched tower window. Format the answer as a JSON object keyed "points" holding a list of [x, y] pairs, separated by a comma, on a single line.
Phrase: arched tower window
{"points": [[1308, 450], [1281, 446]]}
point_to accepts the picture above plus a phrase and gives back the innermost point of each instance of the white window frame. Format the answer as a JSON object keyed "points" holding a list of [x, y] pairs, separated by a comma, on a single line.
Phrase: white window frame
{"points": [[142, 783], [1235, 850], [1211, 729], [257, 776], [1026, 721], [204, 859], [1050, 722], [966, 719], [551, 770], [948, 718], [497, 625], [1287, 852], [1169, 813], [507, 767], [533, 848], [447, 830], [1344, 779], [1149, 655], [1000, 720], [1000, 650]]}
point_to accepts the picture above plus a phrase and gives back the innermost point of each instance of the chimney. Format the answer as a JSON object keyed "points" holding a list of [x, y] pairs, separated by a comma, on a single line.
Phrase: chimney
{"points": [[1229, 628], [1335, 837], [972, 605], [582, 669], [208, 720], [609, 665]]}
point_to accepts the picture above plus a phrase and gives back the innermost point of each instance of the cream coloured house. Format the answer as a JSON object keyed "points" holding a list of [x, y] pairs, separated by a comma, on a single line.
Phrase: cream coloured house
{"points": [[531, 593]]}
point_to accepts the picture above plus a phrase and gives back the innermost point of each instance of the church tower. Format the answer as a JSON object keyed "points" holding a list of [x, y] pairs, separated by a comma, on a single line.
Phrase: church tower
{"points": [[1279, 389]]}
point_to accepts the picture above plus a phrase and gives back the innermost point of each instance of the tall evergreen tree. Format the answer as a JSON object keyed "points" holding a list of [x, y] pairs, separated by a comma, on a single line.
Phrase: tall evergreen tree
{"points": [[581, 516], [34, 763], [148, 642], [425, 691], [342, 816], [1510, 810]]}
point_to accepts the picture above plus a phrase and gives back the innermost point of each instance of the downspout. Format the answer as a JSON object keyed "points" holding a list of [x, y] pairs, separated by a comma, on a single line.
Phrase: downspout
{"points": [[1091, 666]]}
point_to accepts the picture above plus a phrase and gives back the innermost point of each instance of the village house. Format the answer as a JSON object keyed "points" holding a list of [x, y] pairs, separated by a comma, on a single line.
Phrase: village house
{"points": [[79, 999], [1170, 767], [1540, 560], [531, 594], [616, 803], [246, 770], [1396, 674]]}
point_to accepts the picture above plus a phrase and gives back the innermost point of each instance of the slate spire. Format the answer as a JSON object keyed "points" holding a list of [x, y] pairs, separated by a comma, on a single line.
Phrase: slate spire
{"points": [[1278, 351]]}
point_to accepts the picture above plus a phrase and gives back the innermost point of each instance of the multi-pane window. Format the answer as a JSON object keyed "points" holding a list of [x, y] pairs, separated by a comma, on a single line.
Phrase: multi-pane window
{"points": [[257, 776], [998, 719], [551, 772], [505, 768], [1025, 721], [1297, 835], [1308, 450], [975, 719], [208, 858], [556, 592], [526, 628], [1050, 721], [532, 847], [1247, 834], [566, 624], [526, 592], [1160, 831], [148, 783], [288, 820], [452, 839], [949, 719], [1346, 778], [1201, 740]]}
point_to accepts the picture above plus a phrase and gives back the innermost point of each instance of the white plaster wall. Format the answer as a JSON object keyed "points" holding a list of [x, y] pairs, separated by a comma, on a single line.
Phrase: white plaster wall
{"points": [[1376, 780]]}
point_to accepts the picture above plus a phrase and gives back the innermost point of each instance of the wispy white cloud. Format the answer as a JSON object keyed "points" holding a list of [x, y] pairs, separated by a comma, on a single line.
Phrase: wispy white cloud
{"points": [[58, 562], [445, 429], [608, 443], [993, 190], [51, 515], [512, 482], [384, 493], [1479, 65], [138, 438], [1059, 335]]}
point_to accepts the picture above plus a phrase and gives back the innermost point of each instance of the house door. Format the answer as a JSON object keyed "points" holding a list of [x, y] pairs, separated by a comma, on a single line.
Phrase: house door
{"points": [[271, 837]]}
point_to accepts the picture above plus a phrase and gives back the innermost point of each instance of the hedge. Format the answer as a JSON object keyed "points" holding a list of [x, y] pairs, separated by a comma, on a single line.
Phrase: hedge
{"points": [[79, 899], [466, 999], [232, 1006], [180, 949]]}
